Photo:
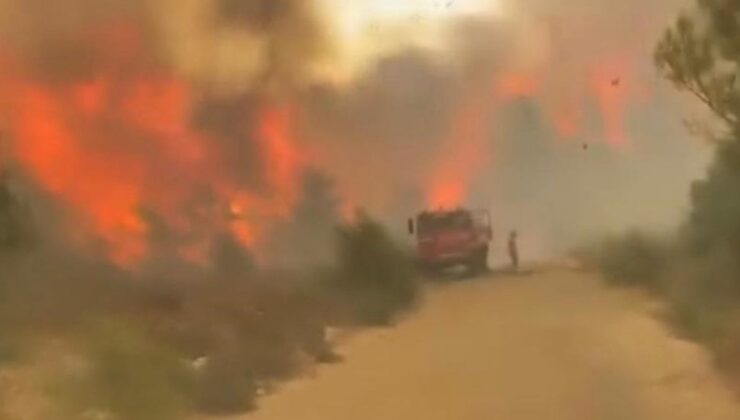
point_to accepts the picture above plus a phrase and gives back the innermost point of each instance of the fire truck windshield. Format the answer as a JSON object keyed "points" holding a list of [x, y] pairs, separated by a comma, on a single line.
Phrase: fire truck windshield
{"points": [[431, 223]]}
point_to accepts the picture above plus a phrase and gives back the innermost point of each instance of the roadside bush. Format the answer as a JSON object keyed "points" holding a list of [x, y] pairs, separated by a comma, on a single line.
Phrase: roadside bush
{"points": [[123, 375], [9, 351], [225, 385], [706, 306], [242, 334], [633, 260], [189, 340], [375, 278], [693, 55], [705, 294], [702, 290]]}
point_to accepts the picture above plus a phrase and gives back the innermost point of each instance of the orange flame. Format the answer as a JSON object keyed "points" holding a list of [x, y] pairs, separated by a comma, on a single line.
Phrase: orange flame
{"points": [[115, 145], [280, 154], [283, 164], [566, 118], [464, 153], [51, 148], [516, 85], [608, 87]]}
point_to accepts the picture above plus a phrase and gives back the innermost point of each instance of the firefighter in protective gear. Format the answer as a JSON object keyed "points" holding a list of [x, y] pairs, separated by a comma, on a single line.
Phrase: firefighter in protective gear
{"points": [[514, 250]]}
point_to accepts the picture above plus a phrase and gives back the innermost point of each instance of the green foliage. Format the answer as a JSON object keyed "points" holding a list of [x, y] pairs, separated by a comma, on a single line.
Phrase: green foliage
{"points": [[225, 385], [374, 274], [15, 219], [701, 54], [245, 326], [244, 333], [715, 217], [126, 376], [633, 259], [230, 260], [9, 352], [308, 239]]}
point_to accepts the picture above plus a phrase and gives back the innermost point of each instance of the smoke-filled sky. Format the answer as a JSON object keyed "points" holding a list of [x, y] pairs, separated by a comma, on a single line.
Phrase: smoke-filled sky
{"points": [[550, 113], [191, 118]]}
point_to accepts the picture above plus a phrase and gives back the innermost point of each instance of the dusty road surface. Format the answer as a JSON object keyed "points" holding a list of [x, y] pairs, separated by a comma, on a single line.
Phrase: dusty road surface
{"points": [[556, 345]]}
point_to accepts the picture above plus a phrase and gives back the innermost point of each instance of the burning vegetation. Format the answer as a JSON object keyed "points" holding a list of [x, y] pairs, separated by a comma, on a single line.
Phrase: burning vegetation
{"points": [[202, 117], [171, 339], [181, 175]]}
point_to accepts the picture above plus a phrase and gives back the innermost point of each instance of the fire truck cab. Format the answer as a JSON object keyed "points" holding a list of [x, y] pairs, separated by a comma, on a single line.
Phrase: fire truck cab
{"points": [[448, 238]]}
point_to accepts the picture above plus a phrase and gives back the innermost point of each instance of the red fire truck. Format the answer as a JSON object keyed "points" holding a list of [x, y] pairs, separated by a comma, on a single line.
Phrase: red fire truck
{"points": [[448, 238]]}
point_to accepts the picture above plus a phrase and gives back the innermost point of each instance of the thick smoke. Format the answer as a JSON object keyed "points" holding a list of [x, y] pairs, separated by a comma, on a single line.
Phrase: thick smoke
{"points": [[550, 116], [593, 141], [187, 119], [225, 44], [385, 130]]}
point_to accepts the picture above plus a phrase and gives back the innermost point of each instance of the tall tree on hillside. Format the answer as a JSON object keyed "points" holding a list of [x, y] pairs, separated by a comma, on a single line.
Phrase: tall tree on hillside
{"points": [[700, 54]]}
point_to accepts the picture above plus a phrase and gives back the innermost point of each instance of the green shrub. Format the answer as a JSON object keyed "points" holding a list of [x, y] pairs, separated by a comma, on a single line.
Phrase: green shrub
{"points": [[9, 351], [633, 259], [374, 276], [244, 332], [124, 375], [251, 327], [225, 385], [705, 293]]}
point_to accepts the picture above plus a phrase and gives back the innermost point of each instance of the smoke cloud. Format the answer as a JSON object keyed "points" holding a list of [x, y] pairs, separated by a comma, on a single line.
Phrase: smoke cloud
{"points": [[551, 116], [189, 119]]}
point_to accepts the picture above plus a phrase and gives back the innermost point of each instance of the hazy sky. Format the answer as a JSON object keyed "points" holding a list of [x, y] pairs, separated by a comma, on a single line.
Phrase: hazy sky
{"points": [[368, 28]]}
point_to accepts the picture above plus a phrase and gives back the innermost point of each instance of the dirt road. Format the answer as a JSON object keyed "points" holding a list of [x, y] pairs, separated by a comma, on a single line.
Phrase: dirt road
{"points": [[556, 345]]}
